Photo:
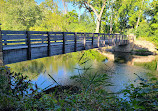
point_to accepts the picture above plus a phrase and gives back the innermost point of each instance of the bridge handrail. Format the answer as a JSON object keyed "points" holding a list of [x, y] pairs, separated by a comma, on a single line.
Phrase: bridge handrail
{"points": [[29, 41], [18, 38]]}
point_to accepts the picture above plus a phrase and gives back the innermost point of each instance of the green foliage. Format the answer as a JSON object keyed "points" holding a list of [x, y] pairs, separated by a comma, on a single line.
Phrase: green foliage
{"points": [[20, 15], [143, 30], [27, 15], [144, 96], [136, 16], [149, 65], [153, 13], [141, 50], [15, 91]]}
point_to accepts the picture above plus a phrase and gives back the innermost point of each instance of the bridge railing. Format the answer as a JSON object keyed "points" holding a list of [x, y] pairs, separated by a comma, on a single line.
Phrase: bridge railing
{"points": [[11, 40], [21, 38]]}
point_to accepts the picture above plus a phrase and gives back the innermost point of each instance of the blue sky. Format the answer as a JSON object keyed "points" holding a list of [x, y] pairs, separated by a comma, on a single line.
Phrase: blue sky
{"points": [[39, 1], [61, 7]]}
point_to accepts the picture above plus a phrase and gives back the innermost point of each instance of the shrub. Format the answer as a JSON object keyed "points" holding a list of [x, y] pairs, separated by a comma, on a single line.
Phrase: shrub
{"points": [[143, 30]]}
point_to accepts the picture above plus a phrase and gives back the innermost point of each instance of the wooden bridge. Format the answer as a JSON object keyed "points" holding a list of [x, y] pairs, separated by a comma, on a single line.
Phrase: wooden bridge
{"points": [[17, 46]]}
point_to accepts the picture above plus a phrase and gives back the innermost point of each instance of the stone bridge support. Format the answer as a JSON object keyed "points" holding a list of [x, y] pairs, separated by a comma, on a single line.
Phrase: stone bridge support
{"points": [[125, 47]]}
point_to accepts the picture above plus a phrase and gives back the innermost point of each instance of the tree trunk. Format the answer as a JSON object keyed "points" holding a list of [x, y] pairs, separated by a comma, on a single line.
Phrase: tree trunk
{"points": [[157, 66], [98, 15], [138, 20], [111, 19], [140, 12], [65, 8], [111, 24], [98, 25]]}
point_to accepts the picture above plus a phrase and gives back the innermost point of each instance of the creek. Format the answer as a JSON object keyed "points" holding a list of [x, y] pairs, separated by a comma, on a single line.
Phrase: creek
{"points": [[121, 68]]}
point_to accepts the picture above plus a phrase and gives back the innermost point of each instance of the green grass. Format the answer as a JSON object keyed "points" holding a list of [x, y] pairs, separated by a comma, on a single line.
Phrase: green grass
{"points": [[141, 50], [148, 65]]}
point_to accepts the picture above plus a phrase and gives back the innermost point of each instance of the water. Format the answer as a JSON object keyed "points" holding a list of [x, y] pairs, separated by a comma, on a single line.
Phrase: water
{"points": [[62, 67]]}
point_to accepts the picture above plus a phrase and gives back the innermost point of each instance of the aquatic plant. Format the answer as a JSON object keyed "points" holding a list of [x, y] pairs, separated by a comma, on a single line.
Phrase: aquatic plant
{"points": [[144, 96]]}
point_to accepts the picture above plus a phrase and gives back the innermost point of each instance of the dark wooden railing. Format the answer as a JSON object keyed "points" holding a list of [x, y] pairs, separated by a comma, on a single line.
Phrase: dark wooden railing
{"points": [[30, 40]]}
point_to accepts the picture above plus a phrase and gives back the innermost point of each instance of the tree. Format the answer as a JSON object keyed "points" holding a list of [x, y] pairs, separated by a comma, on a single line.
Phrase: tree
{"points": [[111, 7], [136, 12], [121, 10], [95, 6], [20, 14], [2, 10], [65, 6], [153, 15], [52, 18]]}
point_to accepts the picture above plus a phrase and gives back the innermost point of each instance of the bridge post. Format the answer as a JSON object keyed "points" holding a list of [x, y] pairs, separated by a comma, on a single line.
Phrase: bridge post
{"points": [[122, 39], [116, 39], [104, 36], [75, 40], [28, 45], [63, 42], [119, 38], [84, 41], [1, 48], [48, 49], [98, 39], [115, 36], [113, 39], [104, 40], [92, 40], [127, 39], [109, 39], [55, 38]]}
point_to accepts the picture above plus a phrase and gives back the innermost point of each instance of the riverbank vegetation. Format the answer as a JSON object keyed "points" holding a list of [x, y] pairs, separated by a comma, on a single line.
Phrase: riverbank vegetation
{"points": [[18, 93], [89, 92], [148, 65]]}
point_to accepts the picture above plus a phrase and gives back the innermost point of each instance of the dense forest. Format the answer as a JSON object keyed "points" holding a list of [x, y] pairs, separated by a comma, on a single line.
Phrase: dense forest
{"points": [[106, 16]]}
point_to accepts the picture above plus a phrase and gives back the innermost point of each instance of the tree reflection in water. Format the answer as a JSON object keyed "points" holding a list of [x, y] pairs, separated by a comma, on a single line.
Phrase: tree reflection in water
{"points": [[51, 65]]}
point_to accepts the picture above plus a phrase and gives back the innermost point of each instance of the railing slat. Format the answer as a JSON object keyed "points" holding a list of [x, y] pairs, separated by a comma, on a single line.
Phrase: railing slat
{"points": [[38, 36], [10, 37], [55, 33], [13, 32], [37, 32], [21, 41]]}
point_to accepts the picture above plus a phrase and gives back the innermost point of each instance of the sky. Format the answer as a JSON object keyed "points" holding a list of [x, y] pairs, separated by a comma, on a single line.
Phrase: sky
{"points": [[69, 6]]}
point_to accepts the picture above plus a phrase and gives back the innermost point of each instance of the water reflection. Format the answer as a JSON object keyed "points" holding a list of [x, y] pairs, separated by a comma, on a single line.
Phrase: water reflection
{"points": [[125, 65], [61, 67], [123, 57], [124, 75]]}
